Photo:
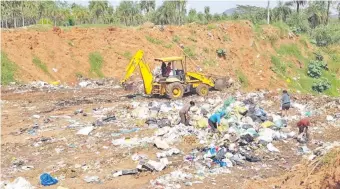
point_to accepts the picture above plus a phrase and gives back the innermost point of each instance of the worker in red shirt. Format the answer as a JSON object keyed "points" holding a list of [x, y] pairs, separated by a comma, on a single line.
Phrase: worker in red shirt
{"points": [[303, 125]]}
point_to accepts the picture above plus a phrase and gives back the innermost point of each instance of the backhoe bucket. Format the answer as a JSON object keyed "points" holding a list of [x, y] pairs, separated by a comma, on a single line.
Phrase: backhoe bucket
{"points": [[221, 84]]}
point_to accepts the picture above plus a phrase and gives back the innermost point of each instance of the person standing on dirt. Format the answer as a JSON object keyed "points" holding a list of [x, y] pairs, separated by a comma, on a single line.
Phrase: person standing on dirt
{"points": [[285, 103], [215, 120], [303, 125], [184, 113], [163, 68]]}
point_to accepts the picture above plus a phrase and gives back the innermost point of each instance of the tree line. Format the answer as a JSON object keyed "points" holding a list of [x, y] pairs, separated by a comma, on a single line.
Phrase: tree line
{"points": [[131, 13]]}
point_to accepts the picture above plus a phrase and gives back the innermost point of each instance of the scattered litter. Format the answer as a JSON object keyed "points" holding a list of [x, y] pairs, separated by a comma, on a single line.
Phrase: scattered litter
{"points": [[85, 131], [91, 179], [47, 180]]}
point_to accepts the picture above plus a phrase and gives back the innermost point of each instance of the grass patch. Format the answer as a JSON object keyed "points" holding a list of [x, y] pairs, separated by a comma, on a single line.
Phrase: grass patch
{"points": [[153, 40], [8, 69], [70, 43], [226, 38], [168, 46], [127, 55], [304, 41], [79, 75], [96, 63], [41, 65], [242, 78], [189, 51], [192, 39], [257, 28], [211, 26], [283, 28], [289, 49], [278, 66], [205, 49], [209, 62], [176, 39], [272, 39]]}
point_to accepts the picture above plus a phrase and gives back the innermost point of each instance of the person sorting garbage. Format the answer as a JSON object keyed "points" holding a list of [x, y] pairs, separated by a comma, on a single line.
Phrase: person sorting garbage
{"points": [[303, 125], [285, 103], [184, 113], [215, 120]]}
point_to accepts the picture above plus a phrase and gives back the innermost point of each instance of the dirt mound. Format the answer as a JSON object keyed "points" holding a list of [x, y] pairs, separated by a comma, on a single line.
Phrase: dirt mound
{"points": [[322, 173], [66, 53]]}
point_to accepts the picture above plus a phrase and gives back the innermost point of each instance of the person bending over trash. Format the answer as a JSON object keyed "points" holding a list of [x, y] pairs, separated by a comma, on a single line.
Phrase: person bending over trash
{"points": [[184, 113], [285, 103], [215, 120], [303, 125]]}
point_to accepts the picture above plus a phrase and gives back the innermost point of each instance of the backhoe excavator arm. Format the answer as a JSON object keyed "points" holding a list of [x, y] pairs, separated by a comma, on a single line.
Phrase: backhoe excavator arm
{"points": [[137, 59]]}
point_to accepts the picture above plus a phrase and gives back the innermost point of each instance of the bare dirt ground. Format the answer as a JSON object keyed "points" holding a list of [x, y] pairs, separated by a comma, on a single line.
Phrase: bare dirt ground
{"points": [[55, 148], [68, 51]]}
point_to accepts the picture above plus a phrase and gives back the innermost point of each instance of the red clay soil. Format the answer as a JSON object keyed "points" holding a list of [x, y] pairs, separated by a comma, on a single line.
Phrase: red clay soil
{"points": [[323, 173], [68, 50]]}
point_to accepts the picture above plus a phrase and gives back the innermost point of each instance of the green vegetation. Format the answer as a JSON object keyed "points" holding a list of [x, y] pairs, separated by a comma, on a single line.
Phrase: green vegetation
{"points": [[278, 66], [41, 65], [221, 52], [176, 39], [211, 26], [289, 49], [189, 51], [154, 40], [96, 63], [127, 55], [205, 49], [192, 39], [8, 69], [168, 46], [242, 78], [70, 43], [283, 28], [226, 38], [209, 62], [315, 68], [79, 75], [321, 85]]}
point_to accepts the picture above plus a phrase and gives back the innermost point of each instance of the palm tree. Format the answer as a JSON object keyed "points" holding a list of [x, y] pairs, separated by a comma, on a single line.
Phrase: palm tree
{"points": [[147, 6], [298, 4], [207, 13], [98, 8], [281, 12]]}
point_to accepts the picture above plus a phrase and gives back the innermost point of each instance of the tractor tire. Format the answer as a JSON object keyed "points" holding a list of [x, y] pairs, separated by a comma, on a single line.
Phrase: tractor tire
{"points": [[202, 90], [175, 90]]}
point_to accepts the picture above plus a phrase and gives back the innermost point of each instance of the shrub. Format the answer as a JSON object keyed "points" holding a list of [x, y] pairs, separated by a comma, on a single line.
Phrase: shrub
{"points": [[326, 35], [321, 85], [315, 68], [221, 52], [127, 55], [298, 23], [45, 21]]}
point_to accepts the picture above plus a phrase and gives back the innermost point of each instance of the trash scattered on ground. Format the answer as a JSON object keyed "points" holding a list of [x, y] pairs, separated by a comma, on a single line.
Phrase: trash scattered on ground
{"points": [[47, 180], [85, 131], [91, 179], [19, 182]]}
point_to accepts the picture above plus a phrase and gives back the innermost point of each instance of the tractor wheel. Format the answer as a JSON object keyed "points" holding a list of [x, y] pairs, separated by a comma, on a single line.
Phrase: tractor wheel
{"points": [[175, 90], [202, 90]]}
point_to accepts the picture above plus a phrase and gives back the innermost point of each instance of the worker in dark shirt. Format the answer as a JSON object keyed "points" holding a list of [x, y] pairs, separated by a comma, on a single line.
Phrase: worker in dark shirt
{"points": [[184, 113], [303, 125], [285, 103], [163, 68]]}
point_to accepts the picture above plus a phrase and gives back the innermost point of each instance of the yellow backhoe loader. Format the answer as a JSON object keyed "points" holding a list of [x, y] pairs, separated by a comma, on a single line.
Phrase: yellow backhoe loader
{"points": [[174, 85]]}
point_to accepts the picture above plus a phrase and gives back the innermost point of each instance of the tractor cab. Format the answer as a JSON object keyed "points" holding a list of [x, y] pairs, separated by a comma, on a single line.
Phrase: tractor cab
{"points": [[173, 69]]}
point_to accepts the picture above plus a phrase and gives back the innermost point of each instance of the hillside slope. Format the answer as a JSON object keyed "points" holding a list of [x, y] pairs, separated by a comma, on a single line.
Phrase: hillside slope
{"points": [[62, 55]]}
